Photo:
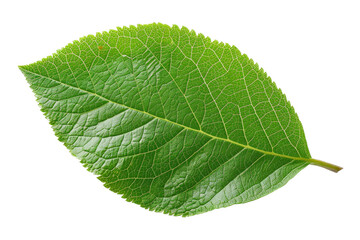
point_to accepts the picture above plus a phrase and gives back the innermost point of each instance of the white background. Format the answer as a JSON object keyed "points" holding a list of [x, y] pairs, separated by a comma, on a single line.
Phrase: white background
{"points": [[311, 49]]}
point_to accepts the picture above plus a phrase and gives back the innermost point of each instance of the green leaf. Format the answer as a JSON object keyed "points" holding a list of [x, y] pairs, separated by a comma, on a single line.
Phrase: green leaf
{"points": [[171, 120]]}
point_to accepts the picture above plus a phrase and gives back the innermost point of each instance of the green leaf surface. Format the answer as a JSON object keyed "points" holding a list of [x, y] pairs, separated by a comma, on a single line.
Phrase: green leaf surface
{"points": [[171, 120]]}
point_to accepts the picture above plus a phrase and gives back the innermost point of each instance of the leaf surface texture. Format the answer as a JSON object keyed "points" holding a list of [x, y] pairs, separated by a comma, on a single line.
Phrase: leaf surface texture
{"points": [[168, 118]]}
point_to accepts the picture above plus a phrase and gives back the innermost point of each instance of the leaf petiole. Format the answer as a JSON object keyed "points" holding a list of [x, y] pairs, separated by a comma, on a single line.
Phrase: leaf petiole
{"points": [[329, 166]]}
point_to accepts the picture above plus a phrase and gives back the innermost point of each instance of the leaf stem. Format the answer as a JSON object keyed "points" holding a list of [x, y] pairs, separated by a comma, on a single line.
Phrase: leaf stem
{"points": [[329, 166]]}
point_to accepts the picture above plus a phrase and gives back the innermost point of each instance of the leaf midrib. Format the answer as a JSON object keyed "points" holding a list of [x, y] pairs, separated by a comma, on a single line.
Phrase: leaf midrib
{"points": [[309, 160]]}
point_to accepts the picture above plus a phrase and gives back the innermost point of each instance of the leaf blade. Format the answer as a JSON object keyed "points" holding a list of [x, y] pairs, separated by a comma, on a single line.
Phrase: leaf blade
{"points": [[124, 104]]}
